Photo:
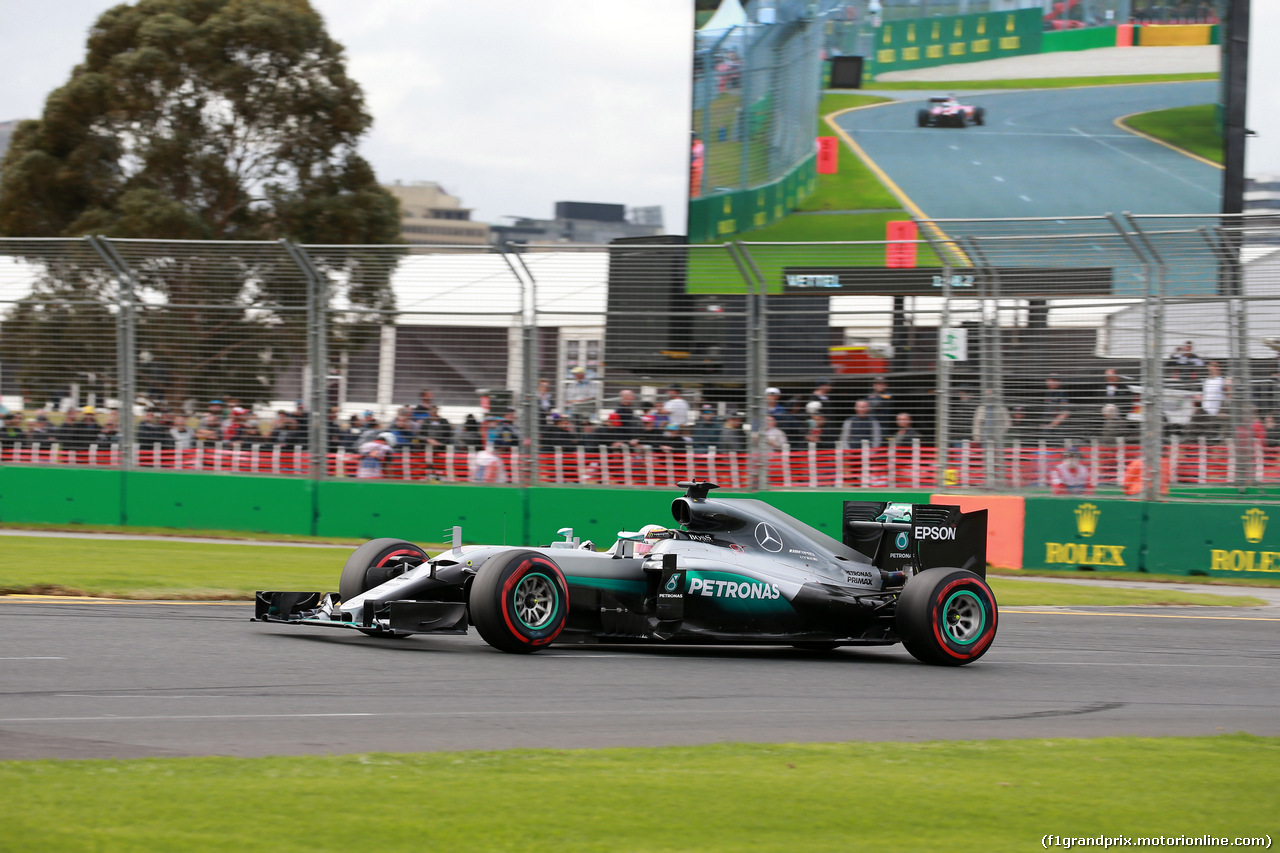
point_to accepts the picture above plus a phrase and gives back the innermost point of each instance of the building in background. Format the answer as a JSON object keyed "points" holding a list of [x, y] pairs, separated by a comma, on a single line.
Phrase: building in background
{"points": [[1262, 194], [428, 214], [582, 222]]}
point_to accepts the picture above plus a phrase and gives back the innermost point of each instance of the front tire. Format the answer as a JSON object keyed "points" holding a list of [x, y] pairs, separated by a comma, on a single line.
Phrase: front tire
{"points": [[947, 617], [519, 602], [979, 116], [373, 564], [922, 118]]}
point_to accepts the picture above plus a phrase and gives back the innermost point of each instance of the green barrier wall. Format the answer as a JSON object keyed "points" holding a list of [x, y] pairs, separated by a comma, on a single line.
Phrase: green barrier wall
{"points": [[1228, 540], [598, 514], [947, 39], [173, 499], [1223, 540], [1061, 533], [1084, 39], [60, 495], [364, 509], [595, 514], [716, 218], [421, 512]]}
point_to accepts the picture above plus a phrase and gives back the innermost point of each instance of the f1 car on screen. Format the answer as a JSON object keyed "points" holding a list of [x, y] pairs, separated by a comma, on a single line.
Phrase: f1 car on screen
{"points": [[946, 111], [730, 572]]}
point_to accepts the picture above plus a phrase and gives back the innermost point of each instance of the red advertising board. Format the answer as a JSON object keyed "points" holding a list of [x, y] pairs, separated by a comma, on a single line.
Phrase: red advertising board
{"points": [[828, 155], [901, 249]]}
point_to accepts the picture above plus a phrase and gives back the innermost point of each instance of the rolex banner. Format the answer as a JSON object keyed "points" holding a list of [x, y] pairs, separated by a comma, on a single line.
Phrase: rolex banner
{"points": [[1105, 535], [948, 39], [1220, 540]]}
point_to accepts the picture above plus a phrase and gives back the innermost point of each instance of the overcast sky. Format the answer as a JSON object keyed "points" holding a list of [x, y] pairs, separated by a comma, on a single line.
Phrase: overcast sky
{"points": [[510, 104], [516, 104]]}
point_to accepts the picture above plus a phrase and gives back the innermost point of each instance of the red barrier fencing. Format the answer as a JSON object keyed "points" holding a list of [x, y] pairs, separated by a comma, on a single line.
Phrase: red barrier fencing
{"points": [[902, 467]]}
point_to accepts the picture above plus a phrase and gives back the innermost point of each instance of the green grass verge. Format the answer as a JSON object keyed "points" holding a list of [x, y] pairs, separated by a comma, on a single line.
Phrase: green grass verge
{"points": [[1192, 129], [197, 570], [1012, 593], [1041, 82], [962, 796], [245, 535], [853, 187], [715, 272], [151, 569], [1255, 579]]}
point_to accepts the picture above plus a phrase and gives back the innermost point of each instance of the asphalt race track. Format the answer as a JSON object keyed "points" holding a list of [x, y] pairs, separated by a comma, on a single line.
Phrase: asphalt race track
{"points": [[84, 679], [1051, 152]]}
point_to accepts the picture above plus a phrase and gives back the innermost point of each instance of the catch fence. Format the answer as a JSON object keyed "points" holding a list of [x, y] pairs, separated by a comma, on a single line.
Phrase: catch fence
{"points": [[1133, 355], [755, 92]]}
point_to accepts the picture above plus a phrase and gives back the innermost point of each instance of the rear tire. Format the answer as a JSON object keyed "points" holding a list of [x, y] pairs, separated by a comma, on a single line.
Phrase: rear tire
{"points": [[922, 118], [947, 617], [373, 564], [979, 116], [519, 602]]}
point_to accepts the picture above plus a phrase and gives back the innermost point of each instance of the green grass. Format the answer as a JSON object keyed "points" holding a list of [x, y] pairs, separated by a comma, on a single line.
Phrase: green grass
{"points": [[833, 102], [1042, 82], [823, 227], [853, 187], [196, 570], [955, 796], [150, 569], [247, 535], [1011, 593], [1192, 129]]}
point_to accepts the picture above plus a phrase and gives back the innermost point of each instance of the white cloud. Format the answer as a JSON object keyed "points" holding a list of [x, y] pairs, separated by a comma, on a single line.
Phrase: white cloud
{"points": [[515, 105]]}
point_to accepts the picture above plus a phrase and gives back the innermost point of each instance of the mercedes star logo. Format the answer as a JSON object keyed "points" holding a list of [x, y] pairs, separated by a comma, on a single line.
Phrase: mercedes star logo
{"points": [[768, 538]]}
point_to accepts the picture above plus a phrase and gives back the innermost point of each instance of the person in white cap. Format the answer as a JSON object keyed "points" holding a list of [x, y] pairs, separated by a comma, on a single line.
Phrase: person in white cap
{"points": [[580, 397]]}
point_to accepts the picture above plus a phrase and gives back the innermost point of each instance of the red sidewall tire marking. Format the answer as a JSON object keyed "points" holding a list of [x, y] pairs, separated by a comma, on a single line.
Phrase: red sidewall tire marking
{"points": [[401, 553], [978, 647], [509, 585]]}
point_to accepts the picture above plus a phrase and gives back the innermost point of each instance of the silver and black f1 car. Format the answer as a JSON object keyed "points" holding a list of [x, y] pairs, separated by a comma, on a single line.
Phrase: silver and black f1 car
{"points": [[732, 572]]}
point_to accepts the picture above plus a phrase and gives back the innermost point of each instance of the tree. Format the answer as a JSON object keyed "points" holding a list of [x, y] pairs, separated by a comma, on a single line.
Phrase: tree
{"points": [[197, 120], [200, 119]]}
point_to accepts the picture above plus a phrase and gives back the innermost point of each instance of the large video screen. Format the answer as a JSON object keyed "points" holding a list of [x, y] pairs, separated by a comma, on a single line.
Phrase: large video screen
{"points": [[998, 112]]}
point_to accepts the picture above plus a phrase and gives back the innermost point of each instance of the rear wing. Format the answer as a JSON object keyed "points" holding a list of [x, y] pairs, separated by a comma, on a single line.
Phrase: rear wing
{"points": [[925, 537]]}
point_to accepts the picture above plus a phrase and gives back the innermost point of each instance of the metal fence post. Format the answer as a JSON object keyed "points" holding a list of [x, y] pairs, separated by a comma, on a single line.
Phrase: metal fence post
{"points": [[992, 363], [943, 385], [317, 359], [1225, 243], [126, 334], [1153, 373], [757, 357], [528, 354]]}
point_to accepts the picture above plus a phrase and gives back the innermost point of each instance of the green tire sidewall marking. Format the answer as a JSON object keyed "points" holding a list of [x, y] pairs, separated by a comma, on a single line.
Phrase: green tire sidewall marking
{"points": [[554, 611], [982, 626]]}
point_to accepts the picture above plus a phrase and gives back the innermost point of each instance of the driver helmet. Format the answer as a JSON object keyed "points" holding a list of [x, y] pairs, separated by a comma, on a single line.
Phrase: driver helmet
{"points": [[650, 535]]}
